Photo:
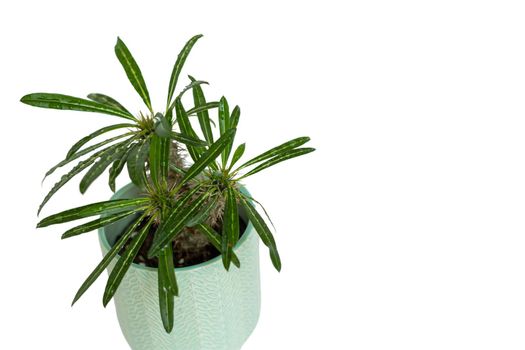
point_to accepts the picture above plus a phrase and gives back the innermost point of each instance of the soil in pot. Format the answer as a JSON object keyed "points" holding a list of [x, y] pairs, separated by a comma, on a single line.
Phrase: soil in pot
{"points": [[190, 247]]}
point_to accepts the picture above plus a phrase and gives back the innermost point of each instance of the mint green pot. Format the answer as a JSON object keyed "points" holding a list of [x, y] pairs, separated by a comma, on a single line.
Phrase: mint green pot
{"points": [[216, 309]]}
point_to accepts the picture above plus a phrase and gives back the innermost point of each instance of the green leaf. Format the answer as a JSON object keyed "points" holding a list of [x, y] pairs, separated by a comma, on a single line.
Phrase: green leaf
{"points": [[230, 227], [91, 136], [136, 162], [166, 300], [132, 71], [108, 101], [65, 102], [166, 264], [85, 211], [124, 262], [187, 129], [224, 124], [190, 86], [239, 151], [175, 222], [263, 231], [201, 108], [202, 215], [98, 168], [203, 115], [84, 152], [215, 239], [232, 124], [163, 126], [179, 63], [280, 158], [208, 156], [95, 224], [187, 140], [159, 156], [118, 166], [277, 150], [76, 170], [108, 257]]}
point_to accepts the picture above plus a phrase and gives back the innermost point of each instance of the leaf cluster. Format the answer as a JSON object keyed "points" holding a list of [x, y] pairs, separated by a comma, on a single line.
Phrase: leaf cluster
{"points": [[174, 195]]}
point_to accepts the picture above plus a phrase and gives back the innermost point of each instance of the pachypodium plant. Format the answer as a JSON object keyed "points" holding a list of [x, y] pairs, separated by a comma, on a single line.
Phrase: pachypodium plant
{"points": [[182, 205]]}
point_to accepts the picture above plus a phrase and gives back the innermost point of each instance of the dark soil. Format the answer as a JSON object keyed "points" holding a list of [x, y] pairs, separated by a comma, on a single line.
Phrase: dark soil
{"points": [[190, 248]]}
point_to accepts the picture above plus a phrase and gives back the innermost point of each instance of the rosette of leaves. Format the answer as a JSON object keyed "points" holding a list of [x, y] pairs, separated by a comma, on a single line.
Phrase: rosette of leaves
{"points": [[131, 146], [206, 191]]}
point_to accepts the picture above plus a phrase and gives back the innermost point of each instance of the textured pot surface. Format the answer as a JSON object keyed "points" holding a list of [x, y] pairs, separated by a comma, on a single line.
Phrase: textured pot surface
{"points": [[216, 309]]}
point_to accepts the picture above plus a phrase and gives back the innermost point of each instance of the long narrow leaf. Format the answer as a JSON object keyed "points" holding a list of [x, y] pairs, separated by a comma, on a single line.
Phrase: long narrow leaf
{"points": [[113, 206], [208, 157], [124, 262], [187, 140], [166, 297], [280, 158], [230, 227], [215, 239], [232, 124], [66, 102], [203, 116], [94, 134], [108, 101], [166, 261], [136, 162], [174, 224], [277, 150], [224, 124], [84, 152], [159, 153], [76, 170], [179, 63], [187, 129], [95, 224], [263, 231], [201, 108], [108, 258], [118, 166], [239, 151], [98, 168], [132, 71]]}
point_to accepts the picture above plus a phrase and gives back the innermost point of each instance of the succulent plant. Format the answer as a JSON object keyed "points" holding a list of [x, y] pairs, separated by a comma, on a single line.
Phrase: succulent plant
{"points": [[179, 201]]}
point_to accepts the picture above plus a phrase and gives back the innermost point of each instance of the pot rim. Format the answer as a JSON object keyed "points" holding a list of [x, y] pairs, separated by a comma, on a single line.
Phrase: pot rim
{"points": [[104, 240]]}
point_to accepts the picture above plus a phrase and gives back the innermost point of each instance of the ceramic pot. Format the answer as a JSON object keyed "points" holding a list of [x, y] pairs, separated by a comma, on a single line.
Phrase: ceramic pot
{"points": [[215, 310]]}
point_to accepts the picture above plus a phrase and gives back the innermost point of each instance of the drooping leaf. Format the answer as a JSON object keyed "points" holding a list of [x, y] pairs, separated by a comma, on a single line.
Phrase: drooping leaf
{"points": [[108, 101], [118, 166], [166, 264], [230, 227], [280, 158], [166, 297], [136, 162], [124, 262], [263, 231], [174, 224], [239, 151], [132, 71], [215, 239], [98, 168], [277, 150], [66, 102], [91, 136], [108, 257], [177, 68], [95, 224], [204, 117], [76, 170], [208, 157], [112, 206]]}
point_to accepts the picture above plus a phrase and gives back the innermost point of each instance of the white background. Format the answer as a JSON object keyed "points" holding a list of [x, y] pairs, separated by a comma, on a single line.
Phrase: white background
{"points": [[404, 230]]}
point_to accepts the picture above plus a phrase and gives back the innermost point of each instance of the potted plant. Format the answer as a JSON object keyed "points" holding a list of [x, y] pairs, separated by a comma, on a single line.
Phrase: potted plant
{"points": [[178, 227]]}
